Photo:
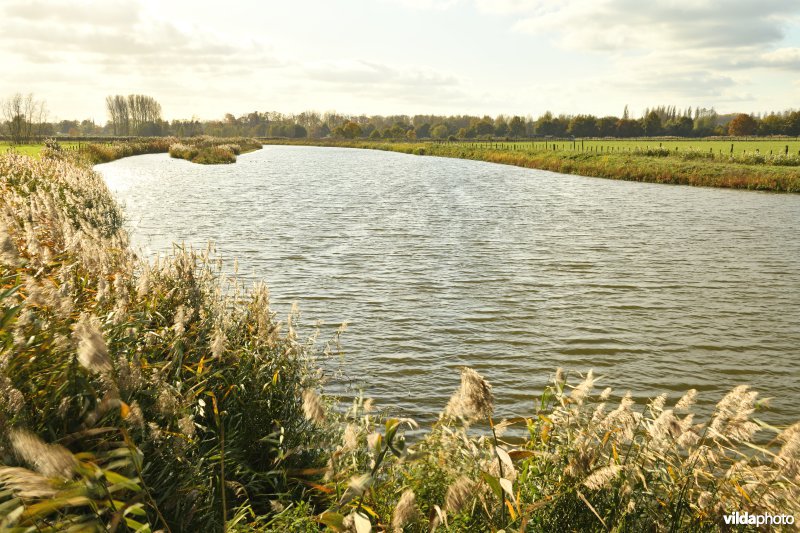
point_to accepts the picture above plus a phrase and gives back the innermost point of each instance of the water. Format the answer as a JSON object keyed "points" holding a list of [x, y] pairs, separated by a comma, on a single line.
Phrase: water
{"points": [[438, 263]]}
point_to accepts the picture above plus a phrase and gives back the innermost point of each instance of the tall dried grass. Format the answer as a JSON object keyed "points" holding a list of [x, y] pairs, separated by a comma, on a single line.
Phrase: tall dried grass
{"points": [[163, 395]]}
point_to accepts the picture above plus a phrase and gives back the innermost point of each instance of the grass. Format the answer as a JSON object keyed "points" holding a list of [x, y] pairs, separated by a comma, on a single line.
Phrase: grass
{"points": [[140, 396], [33, 149], [716, 146], [691, 167]]}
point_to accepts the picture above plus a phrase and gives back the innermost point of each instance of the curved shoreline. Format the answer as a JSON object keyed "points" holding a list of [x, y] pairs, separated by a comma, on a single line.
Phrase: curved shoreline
{"points": [[625, 166]]}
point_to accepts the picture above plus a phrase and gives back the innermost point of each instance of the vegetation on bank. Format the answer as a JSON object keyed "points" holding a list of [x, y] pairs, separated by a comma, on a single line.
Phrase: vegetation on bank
{"points": [[753, 171], [211, 151], [145, 396], [202, 150]]}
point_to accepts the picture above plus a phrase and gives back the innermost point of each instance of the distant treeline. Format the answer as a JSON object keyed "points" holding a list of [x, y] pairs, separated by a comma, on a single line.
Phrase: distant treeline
{"points": [[141, 115]]}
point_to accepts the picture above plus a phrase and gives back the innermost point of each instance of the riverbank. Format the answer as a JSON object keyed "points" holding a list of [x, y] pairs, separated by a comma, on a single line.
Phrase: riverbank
{"points": [[165, 396], [202, 150], [628, 165]]}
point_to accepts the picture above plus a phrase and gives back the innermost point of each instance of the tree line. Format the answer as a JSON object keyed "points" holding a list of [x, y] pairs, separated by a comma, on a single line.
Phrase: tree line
{"points": [[25, 118]]}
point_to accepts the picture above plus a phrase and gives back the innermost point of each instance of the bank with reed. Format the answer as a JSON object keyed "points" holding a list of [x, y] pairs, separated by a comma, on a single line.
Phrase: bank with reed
{"points": [[163, 395], [755, 172]]}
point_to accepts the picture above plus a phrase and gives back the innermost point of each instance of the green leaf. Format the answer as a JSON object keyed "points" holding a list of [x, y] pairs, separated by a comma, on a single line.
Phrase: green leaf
{"points": [[333, 520], [494, 484]]}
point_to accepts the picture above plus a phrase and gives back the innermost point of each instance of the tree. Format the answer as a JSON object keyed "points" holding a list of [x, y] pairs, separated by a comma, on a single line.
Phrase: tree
{"points": [[742, 125], [375, 134], [629, 128], [501, 129], [137, 114], [772, 124], [607, 126], [351, 130], [652, 124], [583, 126], [681, 126], [440, 131], [423, 131], [24, 117], [516, 127], [793, 123], [484, 127]]}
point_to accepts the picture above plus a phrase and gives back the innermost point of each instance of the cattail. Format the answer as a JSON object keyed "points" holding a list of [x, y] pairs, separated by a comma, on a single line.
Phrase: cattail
{"points": [[312, 407], [560, 379], [406, 510], [580, 392], [657, 405], [168, 403], [369, 405], [186, 425], [50, 460], [143, 286], [8, 251], [732, 417], [459, 494], [129, 374], [350, 437], [135, 416], [11, 400], [787, 458], [180, 320], [473, 400], [92, 349], [26, 484], [687, 400], [602, 477], [373, 440], [218, 344]]}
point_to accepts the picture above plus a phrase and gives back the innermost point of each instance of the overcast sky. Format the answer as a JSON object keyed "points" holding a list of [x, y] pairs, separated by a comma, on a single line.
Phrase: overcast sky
{"points": [[524, 57]]}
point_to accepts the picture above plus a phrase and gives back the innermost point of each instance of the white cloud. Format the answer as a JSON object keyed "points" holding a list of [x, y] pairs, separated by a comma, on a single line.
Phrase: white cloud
{"points": [[425, 5], [118, 35], [788, 58], [627, 24]]}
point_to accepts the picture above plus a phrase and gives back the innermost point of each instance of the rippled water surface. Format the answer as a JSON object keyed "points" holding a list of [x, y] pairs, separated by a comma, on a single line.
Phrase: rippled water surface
{"points": [[438, 263]]}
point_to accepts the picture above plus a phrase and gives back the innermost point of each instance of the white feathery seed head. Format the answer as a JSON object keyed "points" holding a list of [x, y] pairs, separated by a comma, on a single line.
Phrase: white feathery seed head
{"points": [[473, 400], [92, 349]]}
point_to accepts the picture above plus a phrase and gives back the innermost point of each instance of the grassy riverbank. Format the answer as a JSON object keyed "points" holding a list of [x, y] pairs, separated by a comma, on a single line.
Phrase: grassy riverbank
{"points": [[756, 171], [164, 396], [202, 150]]}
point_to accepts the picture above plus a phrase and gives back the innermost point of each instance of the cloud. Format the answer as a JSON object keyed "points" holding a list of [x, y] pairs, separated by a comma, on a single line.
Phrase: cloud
{"points": [[118, 35], [618, 24], [351, 72], [788, 58], [425, 5]]}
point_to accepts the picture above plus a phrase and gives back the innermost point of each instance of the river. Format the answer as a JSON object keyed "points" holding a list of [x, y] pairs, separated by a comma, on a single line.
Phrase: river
{"points": [[439, 263]]}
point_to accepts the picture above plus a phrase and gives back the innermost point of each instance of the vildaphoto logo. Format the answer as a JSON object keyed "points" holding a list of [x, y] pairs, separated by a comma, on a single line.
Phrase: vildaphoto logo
{"points": [[746, 519]]}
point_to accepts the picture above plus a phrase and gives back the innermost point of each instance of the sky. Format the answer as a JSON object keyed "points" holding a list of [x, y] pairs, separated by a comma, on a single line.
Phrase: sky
{"points": [[481, 57]]}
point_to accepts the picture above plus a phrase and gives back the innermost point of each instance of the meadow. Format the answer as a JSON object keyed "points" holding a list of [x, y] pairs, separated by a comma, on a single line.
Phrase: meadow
{"points": [[143, 396], [33, 149], [724, 147]]}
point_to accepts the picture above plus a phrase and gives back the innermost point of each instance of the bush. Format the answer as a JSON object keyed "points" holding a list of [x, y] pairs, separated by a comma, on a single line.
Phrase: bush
{"points": [[185, 399]]}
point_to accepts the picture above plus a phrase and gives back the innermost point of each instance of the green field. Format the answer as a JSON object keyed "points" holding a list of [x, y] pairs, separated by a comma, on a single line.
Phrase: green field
{"points": [[762, 146], [31, 149]]}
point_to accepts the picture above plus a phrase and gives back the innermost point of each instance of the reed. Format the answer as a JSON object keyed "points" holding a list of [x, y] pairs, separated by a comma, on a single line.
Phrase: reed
{"points": [[163, 395]]}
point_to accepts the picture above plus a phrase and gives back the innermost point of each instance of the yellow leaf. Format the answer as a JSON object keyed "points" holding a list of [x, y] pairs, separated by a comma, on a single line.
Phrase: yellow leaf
{"points": [[124, 410]]}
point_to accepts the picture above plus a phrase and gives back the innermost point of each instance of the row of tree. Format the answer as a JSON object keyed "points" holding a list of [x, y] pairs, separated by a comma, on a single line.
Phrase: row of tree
{"points": [[140, 115], [24, 117], [136, 114]]}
